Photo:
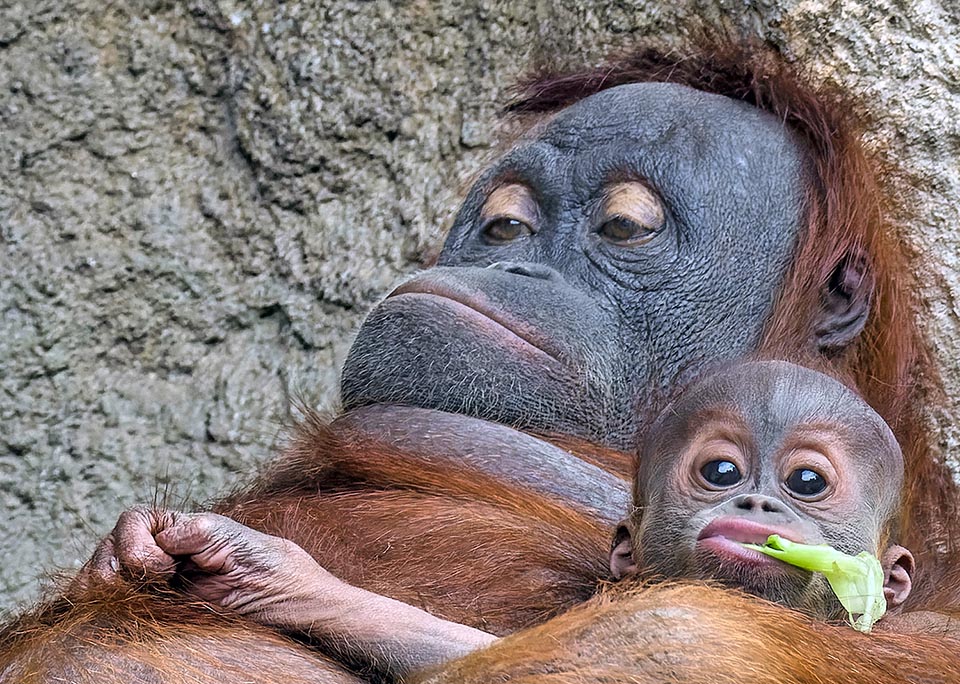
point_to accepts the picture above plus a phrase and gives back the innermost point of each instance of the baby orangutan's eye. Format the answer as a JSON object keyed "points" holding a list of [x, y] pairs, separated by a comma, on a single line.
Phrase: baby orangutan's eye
{"points": [[721, 473], [806, 483]]}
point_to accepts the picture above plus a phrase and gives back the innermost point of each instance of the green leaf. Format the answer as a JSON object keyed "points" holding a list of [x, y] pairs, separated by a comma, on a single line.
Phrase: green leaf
{"points": [[856, 580]]}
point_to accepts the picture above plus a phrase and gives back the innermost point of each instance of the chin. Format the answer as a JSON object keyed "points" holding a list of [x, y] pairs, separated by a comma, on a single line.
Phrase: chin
{"points": [[811, 595], [766, 578]]}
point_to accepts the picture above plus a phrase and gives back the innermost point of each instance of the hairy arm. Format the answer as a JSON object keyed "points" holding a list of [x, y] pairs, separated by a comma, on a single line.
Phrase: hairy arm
{"points": [[274, 582], [701, 634], [946, 623], [478, 523], [392, 637]]}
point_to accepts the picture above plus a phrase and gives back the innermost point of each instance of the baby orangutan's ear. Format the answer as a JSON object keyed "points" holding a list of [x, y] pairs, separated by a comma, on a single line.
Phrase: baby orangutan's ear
{"points": [[898, 566], [621, 553]]}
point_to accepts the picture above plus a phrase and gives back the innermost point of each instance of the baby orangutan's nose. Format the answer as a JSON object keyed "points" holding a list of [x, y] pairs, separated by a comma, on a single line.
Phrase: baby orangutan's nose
{"points": [[757, 503]]}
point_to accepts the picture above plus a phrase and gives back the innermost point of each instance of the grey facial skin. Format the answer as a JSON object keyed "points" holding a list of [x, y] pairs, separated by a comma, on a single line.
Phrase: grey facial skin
{"points": [[567, 320], [775, 424]]}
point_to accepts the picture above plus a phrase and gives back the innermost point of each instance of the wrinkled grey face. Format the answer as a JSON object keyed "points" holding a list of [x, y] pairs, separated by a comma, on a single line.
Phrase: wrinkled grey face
{"points": [[644, 231]]}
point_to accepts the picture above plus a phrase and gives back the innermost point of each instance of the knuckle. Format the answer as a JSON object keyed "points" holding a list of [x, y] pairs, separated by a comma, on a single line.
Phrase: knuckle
{"points": [[133, 517], [126, 517], [289, 553], [213, 523], [203, 524]]}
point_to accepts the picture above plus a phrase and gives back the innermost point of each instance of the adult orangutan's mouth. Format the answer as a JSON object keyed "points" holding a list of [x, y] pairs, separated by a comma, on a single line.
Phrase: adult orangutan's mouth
{"points": [[475, 307]]}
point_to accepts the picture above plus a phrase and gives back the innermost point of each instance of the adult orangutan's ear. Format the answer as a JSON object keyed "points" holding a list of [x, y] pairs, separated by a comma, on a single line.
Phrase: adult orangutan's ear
{"points": [[898, 567], [845, 303], [621, 553]]}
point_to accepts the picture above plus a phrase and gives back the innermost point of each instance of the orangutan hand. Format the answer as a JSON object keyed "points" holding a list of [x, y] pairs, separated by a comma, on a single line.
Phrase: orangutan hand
{"points": [[275, 582], [214, 559], [130, 550]]}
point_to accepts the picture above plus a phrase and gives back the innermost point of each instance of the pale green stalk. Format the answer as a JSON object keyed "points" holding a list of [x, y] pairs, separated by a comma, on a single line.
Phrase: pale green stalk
{"points": [[856, 580]]}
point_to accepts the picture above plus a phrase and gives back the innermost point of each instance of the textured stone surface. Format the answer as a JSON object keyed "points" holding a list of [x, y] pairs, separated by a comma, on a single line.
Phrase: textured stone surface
{"points": [[199, 200]]}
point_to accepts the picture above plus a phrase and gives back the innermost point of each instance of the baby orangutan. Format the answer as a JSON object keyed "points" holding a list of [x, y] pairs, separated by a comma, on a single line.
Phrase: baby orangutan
{"points": [[759, 448]]}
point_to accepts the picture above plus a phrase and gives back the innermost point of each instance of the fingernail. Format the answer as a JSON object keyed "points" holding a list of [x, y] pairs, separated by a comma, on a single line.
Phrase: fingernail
{"points": [[114, 564]]}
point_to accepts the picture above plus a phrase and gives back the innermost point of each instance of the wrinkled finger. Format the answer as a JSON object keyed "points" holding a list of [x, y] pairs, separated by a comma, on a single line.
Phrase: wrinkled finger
{"points": [[135, 548], [104, 565], [219, 545], [101, 568], [215, 544], [196, 533]]}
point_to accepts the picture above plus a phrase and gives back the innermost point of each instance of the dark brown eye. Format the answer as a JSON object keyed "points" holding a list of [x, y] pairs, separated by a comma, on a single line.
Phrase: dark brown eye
{"points": [[505, 229], [721, 473], [805, 482], [632, 214], [509, 213], [624, 232]]}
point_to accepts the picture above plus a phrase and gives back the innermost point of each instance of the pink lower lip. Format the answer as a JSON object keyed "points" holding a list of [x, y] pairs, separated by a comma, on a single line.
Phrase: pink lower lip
{"points": [[734, 550]]}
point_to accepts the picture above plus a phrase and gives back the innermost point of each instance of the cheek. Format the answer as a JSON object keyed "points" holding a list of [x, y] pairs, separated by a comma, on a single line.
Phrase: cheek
{"points": [[667, 539], [858, 535], [847, 512], [699, 519]]}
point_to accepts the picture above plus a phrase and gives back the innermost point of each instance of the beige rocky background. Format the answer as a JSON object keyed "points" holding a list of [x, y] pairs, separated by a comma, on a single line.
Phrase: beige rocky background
{"points": [[199, 200]]}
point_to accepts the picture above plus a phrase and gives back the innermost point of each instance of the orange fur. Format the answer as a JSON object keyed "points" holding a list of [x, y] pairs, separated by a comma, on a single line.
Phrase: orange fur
{"points": [[455, 542], [700, 634], [613, 461], [124, 634]]}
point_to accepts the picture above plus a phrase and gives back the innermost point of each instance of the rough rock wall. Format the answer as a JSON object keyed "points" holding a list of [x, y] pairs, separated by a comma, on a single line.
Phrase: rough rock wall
{"points": [[199, 200]]}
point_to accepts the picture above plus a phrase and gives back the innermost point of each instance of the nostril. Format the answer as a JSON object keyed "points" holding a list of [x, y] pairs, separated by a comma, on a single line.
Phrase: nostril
{"points": [[528, 270], [751, 502], [522, 271]]}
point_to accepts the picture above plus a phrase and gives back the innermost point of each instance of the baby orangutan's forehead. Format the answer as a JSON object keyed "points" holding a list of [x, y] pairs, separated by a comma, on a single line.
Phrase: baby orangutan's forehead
{"points": [[775, 402]]}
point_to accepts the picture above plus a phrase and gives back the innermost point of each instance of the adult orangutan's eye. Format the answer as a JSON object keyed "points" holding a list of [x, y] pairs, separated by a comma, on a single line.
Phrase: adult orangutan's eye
{"points": [[624, 232], [633, 214], [721, 474], [503, 229], [509, 213], [806, 483]]}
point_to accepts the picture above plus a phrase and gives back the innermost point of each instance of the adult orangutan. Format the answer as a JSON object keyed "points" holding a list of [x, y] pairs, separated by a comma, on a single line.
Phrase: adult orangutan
{"points": [[660, 213], [752, 450]]}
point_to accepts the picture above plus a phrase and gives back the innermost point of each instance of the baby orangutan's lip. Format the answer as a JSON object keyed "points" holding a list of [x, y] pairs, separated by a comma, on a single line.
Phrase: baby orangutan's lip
{"points": [[744, 531], [723, 539]]}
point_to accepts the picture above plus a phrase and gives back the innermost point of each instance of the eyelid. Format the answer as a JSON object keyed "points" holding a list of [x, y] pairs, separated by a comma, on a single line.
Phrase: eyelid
{"points": [[491, 239], [707, 484], [511, 201], [718, 448], [827, 485], [633, 201], [637, 234]]}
